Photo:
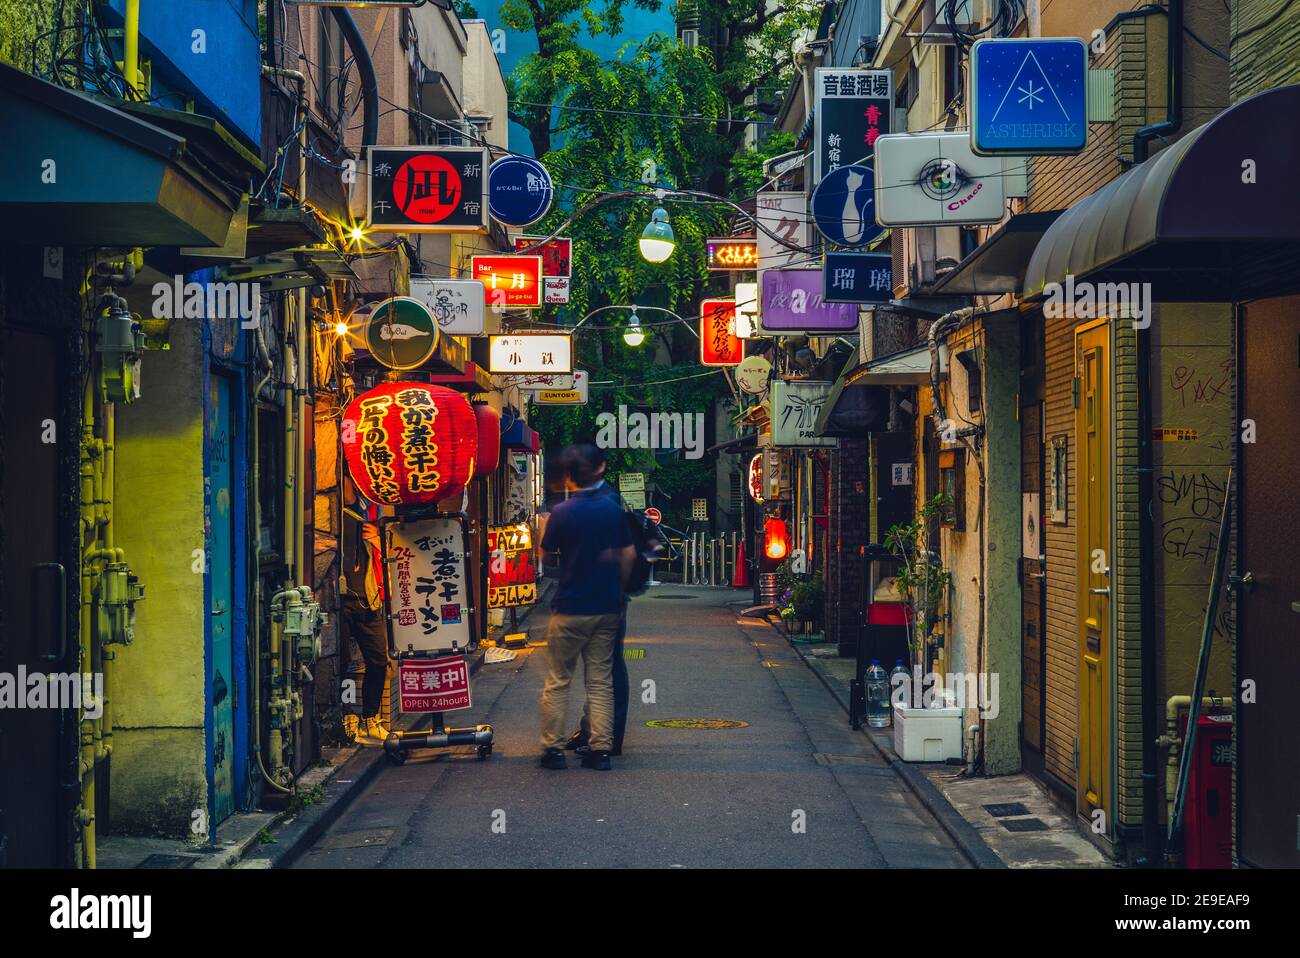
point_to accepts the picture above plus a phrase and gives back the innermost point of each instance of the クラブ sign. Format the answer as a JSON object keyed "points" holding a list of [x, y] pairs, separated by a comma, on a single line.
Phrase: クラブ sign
{"points": [[427, 189], [795, 407]]}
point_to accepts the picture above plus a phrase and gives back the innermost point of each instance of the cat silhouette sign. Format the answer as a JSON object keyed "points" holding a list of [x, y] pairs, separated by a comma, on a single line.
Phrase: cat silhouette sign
{"points": [[844, 207]]}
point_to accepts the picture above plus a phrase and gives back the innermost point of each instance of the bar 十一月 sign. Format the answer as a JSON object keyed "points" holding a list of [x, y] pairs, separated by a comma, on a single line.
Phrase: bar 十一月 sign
{"points": [[427, 189], [509, 282], [426, 591], [853, 108]]}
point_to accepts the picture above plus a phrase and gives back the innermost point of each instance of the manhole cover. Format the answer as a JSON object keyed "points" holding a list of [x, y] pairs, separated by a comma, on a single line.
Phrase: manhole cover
{"points": [[1003, 809], [674, 597], [706, 723], [1023, 824], [168, 861]]}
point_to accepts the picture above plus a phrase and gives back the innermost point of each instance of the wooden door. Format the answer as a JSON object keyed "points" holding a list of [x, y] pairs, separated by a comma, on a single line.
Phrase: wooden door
{"points": [[1268, 624]]}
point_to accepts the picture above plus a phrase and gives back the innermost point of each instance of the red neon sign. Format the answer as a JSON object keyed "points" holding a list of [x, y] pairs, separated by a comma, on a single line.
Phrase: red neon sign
{"points": [[719, 344]]}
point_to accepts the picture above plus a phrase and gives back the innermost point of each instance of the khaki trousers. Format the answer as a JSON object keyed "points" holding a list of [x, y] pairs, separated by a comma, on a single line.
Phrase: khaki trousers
{"points": [[568, 639]]}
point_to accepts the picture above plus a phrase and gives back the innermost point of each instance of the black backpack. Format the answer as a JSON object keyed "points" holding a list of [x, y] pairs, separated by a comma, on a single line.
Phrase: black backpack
{"points": [[648, 548]]}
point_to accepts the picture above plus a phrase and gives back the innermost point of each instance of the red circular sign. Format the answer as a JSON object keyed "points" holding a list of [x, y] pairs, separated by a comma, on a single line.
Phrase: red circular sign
{"points": [[427, 188], [654, 515]]}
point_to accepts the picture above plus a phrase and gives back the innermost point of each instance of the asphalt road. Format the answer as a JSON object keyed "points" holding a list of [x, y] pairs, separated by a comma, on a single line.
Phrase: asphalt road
{"points": [[795, 787]]}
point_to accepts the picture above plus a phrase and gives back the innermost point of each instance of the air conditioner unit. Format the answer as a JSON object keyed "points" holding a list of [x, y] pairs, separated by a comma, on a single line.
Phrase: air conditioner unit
{"points": [[936, 23], [935, 251]]}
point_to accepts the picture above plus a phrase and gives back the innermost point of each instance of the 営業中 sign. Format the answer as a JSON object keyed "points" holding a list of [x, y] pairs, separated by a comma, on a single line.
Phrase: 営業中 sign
{"points": [[401, 333], [1029, 95], [434, 685], [427, 189], [530, 353], [858, 277], [793, 303], [853, 108], [456, 304], [719, 344], [427, 591], [795, 407], [519, 190], [509, 281]]}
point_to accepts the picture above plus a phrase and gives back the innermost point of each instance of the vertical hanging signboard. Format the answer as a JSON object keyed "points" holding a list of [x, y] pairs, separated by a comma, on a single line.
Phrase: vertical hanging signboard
{"points": [[512, 576], [853, 109], [426, 584]]}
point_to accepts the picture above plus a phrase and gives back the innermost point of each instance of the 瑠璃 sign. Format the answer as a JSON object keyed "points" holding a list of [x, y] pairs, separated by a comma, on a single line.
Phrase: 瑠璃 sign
{"points": [[510, 282], [427, 189], [732, 254], [1029, 95], [434, 685], [858, 277], [793, 303], [719, 344], [512, 576], [795, 407], [853, 108], [530, 353], [455, 304], [427, 592]]}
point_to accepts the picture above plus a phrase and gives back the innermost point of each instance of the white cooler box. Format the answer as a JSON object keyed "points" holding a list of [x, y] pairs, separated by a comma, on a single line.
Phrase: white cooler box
{"points": [[927, 735]]}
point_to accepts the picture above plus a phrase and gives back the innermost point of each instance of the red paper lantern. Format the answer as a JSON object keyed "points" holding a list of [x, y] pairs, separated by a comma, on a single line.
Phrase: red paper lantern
{"points": [[489, 439], [775, 544], [410, 443]]}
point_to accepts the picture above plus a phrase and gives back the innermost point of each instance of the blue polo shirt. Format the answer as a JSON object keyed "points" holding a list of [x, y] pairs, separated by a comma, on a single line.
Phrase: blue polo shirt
{"points": [[588, 530]]}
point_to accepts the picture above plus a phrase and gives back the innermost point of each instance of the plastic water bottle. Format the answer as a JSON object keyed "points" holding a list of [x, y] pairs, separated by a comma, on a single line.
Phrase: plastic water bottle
{"points": [[905, 683], [877, 689]]}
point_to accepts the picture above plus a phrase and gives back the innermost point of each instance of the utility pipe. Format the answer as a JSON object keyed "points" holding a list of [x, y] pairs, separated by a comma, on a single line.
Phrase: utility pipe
{"points": [[1173, 121], [366, 68], [131, 47]]}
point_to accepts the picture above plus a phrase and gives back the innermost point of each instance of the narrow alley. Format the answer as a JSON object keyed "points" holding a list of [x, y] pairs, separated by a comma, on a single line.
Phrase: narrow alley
{"points": [[678, 797]]}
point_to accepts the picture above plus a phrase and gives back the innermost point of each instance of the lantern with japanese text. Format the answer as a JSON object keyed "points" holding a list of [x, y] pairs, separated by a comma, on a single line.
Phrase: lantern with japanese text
{"points": [[409, 443], [756, 478], [489, 439], [775, 544]]}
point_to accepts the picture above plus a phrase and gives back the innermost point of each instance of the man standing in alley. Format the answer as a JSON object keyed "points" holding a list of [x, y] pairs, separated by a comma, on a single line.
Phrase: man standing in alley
{"points": [[596, 554]]}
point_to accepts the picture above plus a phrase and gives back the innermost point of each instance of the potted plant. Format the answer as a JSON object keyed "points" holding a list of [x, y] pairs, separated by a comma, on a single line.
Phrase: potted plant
{"points": [[921, 579], [808, 599]]}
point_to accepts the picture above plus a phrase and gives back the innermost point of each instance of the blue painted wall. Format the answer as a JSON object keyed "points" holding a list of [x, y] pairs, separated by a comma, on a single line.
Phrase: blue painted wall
{"points": [[637, 25], [225, 80]]}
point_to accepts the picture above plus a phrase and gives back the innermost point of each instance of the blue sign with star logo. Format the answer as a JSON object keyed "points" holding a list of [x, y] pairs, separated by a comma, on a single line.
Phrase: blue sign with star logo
{"points": [[1029, 96]]}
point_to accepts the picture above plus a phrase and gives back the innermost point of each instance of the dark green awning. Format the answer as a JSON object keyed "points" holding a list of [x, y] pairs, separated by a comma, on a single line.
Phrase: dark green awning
{"points": [[83, 173]]}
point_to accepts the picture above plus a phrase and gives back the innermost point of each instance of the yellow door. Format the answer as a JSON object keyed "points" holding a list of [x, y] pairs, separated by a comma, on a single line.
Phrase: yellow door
{"points": [[1093, 435]]}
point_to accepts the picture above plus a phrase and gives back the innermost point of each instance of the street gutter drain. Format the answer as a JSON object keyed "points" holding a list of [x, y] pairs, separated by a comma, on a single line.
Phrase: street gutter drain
{"points": [[1023, 824], [697, 723], [1003, 809], [674, 597], [168, 861]]}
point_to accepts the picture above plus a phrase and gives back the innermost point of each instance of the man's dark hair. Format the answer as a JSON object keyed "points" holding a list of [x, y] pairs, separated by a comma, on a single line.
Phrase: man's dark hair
{"points": [[584, 463]]}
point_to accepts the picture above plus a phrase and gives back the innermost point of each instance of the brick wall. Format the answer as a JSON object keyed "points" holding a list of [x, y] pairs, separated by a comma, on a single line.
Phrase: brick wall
{"points": [[849, 526]]}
